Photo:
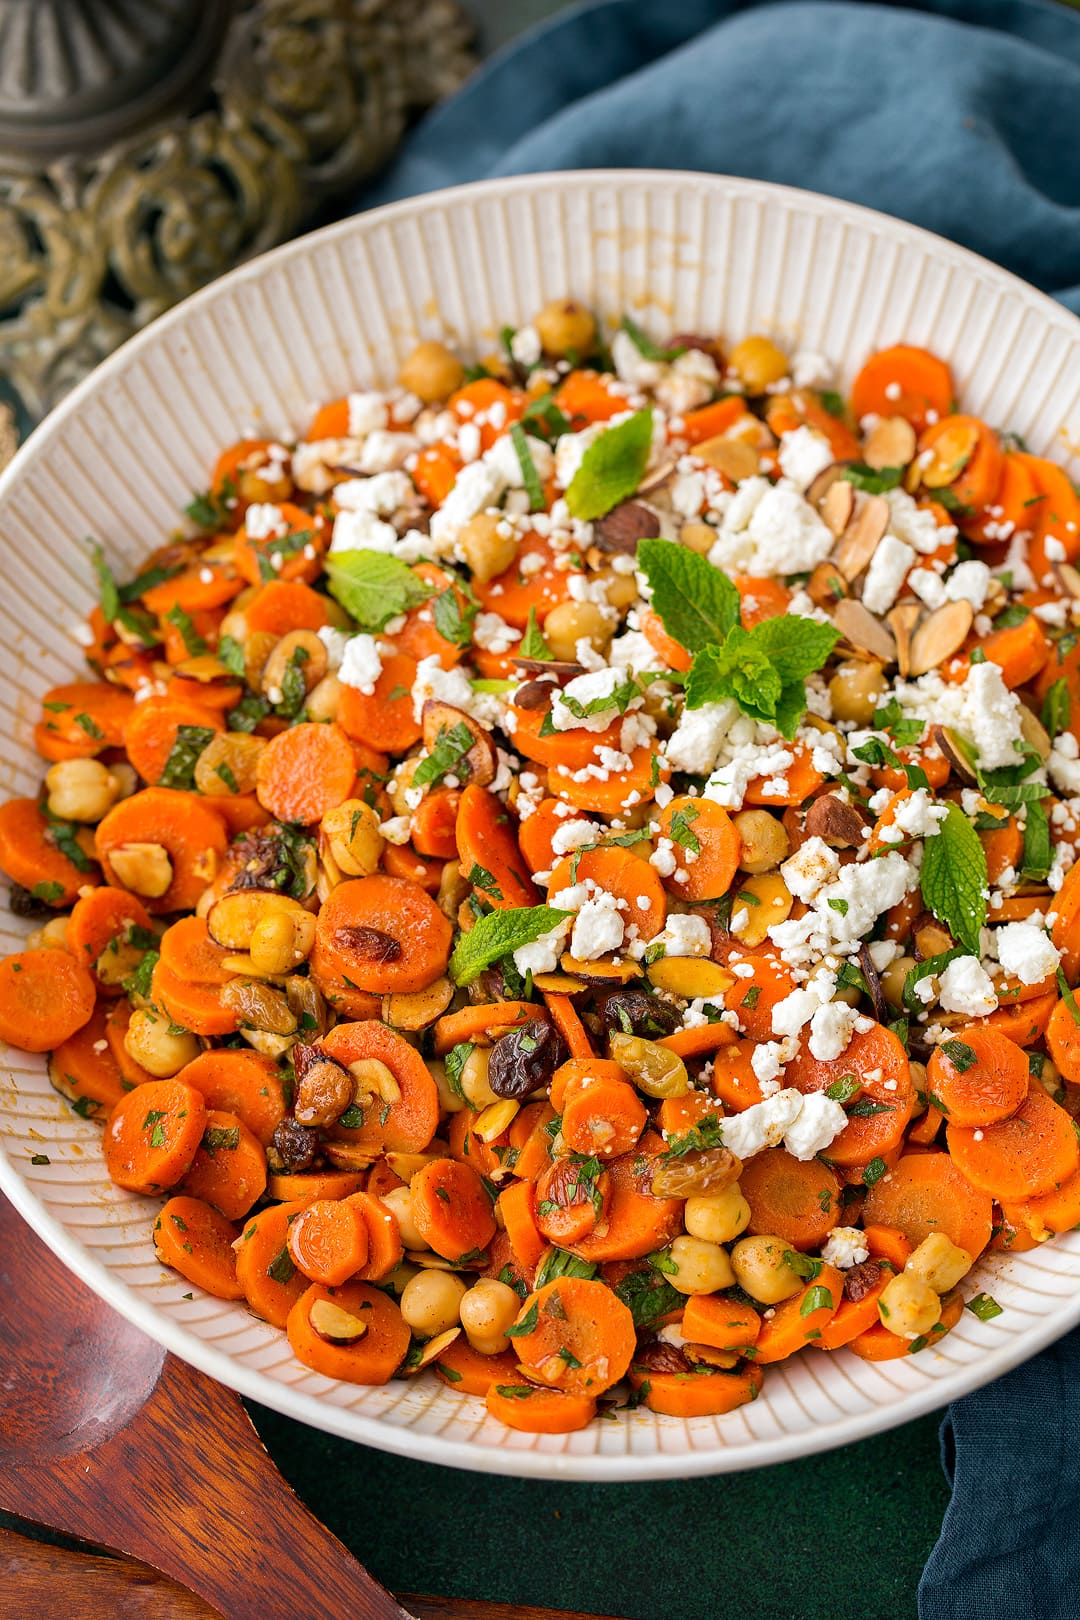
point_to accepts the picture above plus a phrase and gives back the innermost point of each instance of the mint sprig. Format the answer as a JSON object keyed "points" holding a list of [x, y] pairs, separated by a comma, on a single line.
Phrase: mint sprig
{"points": [[954, 879], [611, 468], [373, 588], [499, 933]]}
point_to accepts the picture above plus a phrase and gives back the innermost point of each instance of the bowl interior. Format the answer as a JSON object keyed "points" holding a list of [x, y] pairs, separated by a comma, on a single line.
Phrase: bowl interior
{"points": [[336, 311]]}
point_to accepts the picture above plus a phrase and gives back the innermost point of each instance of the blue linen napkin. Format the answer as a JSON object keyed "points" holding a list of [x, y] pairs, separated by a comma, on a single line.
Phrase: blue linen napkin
{"points": [[962, 116]]}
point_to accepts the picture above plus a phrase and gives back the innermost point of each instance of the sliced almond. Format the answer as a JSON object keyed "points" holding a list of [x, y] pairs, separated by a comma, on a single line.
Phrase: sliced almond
{"points": [[824, 481], [865, 633], [407, 1165], [495, 1119], [891, 444], [658, 476], [558, 984], [734, 457], [375, 1078], [478, 764], [416, 1009], [862, 537], [951, 452], [902, 621], [432, 1351], [961, 756], [690, 976], [333, 1322], [1034, 732], [600, 972], [141, 868], [826, 586], [838, 505], [349, 1155], [427, 1260], [1069, 579], [940, 634]]}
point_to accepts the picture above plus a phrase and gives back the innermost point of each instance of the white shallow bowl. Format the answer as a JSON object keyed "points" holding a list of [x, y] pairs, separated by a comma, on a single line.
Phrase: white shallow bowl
{"points": [[338, 310]]}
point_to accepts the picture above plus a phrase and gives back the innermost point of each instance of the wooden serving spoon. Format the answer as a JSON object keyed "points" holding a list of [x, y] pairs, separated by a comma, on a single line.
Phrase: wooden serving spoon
{"points": [[106, 1437]]}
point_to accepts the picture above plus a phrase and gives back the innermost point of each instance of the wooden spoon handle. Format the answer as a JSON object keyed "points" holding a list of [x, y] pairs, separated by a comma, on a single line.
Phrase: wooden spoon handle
{"points": [[188, 1488]]}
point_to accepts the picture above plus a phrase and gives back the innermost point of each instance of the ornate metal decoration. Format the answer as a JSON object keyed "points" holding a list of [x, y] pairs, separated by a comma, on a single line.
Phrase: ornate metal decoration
{"points": [[106, 219]]}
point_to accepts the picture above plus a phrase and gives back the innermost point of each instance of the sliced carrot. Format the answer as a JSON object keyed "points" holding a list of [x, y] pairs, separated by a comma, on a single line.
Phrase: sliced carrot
{"points": [[978, 1076], [462, 1368], [192, 836], [1022, 1157], [584, 396], [84, 1070], [197, 1241], [1062, 1041], [240, 812], [878, 1344], [927, 1193], [618, 791], [434, 824], [877, 1058], [515, 594], [515, 1206], [604, 1118], [187, 951], [45, 996], [577, 1072], [85, 717], [100, 919], [380, 1180], [229, 1170], [419, 636], [385, 1248], [435, 472], [264, 1266], [903, 381], [575, 750], [305, 771], [754, 997], [384, 718], [116, 1028], [697, 1394], [328, 1241], [853, 1317], [245, 1084], [406, 1124], [709, 847], [292, 552], [565, 1018], [673, 653], [197, 1007], [153, 731], [496, 405], [192, 592], [966, 453], [760, 599], [619, 872], [487, 839], [723, 1323], [384, 934], [153, 1135], [796, 1200], [533, 1149], [451, 1210], [371, 1359], [402, 862], [733, 1079], [483, 1022], [1012, 509], [535, 834], [282, 606], [696, 1042], [539, 1411], [637, 1221], [800, 780], [1003, 847], [1055, 513], [801, 1319], [575, 1335], [570, 1203], [889, 1242], [1055, 1211], [709, 421], [1024, 1024], [30, 856], [305, 1185]]}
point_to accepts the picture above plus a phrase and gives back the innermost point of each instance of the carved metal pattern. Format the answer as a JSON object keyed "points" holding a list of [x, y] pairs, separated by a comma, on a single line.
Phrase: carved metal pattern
{"points": [[307, 97]]}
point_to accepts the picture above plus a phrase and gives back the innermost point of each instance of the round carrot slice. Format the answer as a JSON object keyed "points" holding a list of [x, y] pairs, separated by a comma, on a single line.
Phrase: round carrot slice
{"points": [[618, 872], [903, 381], [305, 771], [451, 1209], [978, 1076], [796, 1200], [637, 1222], [191, 835], [157, 726], [575, 1335], [373, 1357], [385, 717], [104, 918], [45, 996], [1022, 1157], [926, 1193], [384, 934], [328, 1241], [697, 1394], [487, 843], [153, 1135], [706, 846], [538, 1411], [242, 1083], [229, 1170], [33, 854], [197, 1241]]}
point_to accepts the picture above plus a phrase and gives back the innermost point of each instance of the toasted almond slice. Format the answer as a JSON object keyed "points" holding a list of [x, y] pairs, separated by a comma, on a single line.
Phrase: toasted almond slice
{"points": [[431, 1352], [600, 972], [349, 1155], [407, 1165], [332, 1322], [902, 621], [891, 444], [734, 457], [824, 481], [495, 1119], [950, 454], [865, 633], [862, 537], [558, 984], [478, 765], [658, 476], [940, 634], [838, 505], [1069, 579], [1034, 732], [960, 754], [826, 586], [428, 1260]]}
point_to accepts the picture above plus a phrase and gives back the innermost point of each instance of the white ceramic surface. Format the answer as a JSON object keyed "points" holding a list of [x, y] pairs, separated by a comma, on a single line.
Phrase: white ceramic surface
{"points": [[338, 310]]}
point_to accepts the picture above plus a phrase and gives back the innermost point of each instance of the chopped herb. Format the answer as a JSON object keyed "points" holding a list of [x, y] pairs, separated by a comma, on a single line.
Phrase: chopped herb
{"points": [[281, 1267], [961, 1056], [193, 642], [534, 489], [527, 1324], [874, 1171], [984, 1307], [179, 769], [450, 749], [816, 1299]]}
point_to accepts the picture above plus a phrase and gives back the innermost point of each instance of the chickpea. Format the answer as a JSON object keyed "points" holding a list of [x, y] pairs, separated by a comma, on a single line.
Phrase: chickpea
{"points": [[449, 1101], [125, 777], [398, 1280], [324, 699], [1047, 1075], [717, 1217], [699, 537], [431, 372], [142, 868], [399, 1201], [150, 1042], [908, 1306], [756, 361], [760, 1269], [939, 1262], [400, 783], [621, 589], [474, 1079], [892, 980], [488, 545], [571, 622], [487, 1310], [431, 1302], [51, 937], [855, 689], [566, 327], [351, 833], [702, 1267], [81, 789], [278, 945], [764, 840]]}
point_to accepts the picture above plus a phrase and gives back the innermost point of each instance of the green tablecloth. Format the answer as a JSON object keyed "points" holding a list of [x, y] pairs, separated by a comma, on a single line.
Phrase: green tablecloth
{"points": [[841, 1536]]}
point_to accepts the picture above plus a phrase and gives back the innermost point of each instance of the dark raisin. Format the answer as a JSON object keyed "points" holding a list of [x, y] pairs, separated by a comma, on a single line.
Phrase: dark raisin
{"points": [[295, 1145], [525, 1059], [25, 904], [632, 1012], [373, 944], [658, 1357], [859, 1280], [621, 529]]}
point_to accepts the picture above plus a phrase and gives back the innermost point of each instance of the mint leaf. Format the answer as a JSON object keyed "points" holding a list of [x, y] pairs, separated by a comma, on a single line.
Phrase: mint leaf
{"points": [[874, 480], [1057, 708], [611, 468], [451, 746], [790, 708], [697, 603], [534, 489], [795, 646], [954, 878], [532, 643], [644, 344], [500, 933], [373, 588], [452, 621], [179, 769], [1038, 853], [735, 669]]}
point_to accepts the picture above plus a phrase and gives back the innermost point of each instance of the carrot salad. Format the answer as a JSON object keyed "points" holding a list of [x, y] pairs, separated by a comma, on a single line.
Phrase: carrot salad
{"points": [[563, 876]]}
